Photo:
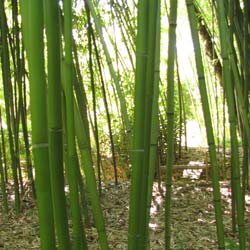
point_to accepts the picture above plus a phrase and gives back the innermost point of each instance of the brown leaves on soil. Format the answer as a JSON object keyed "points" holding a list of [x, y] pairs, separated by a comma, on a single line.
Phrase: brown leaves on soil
{"points": [[193, 220]]}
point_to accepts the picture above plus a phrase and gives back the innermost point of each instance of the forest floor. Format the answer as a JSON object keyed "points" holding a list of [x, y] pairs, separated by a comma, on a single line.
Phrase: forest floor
{"points": [[193, 219]]}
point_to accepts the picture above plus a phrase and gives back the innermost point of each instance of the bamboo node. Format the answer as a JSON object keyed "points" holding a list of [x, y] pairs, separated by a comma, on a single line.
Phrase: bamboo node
{"points": [[40, 145], [139, 150]]}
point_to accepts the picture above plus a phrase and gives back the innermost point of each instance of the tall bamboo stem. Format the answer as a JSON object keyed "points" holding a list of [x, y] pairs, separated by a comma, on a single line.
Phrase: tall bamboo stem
{"points": [[33, 35]]}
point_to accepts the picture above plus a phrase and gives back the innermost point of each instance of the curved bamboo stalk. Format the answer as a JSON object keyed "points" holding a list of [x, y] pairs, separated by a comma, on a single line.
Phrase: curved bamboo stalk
{"points": [[87, 166], [83, 141], [80, 92]]}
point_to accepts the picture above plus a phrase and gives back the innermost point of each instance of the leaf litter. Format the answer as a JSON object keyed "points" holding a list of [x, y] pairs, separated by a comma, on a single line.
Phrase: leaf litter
{"points": [[193, 221]]}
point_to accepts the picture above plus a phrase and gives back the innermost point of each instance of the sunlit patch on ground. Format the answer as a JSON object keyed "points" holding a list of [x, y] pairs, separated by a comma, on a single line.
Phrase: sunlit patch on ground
{"points": [[152, 226], [247, 199], [194, 169], [157, 199], [192, 173]]}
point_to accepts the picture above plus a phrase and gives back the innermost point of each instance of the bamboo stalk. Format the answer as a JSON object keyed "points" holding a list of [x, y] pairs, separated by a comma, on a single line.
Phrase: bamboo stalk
{"points": [[123, 105], [139, 116], [170, 118], [55, 123], [8, 99], [31, 13], [208, 124], [79, 238], [225, 50]]}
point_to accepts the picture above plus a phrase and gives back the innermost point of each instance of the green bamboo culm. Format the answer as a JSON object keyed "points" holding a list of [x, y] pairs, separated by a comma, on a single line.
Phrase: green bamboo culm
{"points": [[231, 13], [105, 101], [114, 75], [138, 137], [2, 177], [231, 56], [17, 92], [93, 90], [155, 120], [148, 104], [83, 140], [6, 178], [208, 123], [8, 100], [87, 163], [170, 118], [55, 123], [79, 239], [246, 91], [32, 29], [80, 92], [229, 92]]}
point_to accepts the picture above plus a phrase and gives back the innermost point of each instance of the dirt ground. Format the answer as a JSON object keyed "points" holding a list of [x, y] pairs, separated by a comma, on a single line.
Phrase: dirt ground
{"points": [[193, 220]]}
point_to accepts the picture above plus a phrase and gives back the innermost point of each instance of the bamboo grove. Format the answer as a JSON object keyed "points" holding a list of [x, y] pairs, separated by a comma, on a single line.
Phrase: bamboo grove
{"points": [[80, 78]]}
